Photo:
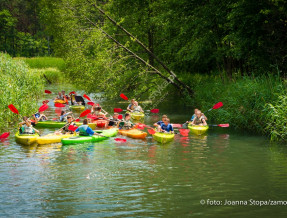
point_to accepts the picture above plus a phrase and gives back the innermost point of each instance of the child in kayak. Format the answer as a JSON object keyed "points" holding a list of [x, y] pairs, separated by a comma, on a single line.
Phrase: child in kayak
{"points": [[137, 108], [131, 105], [199, 120], [166, 126], [126, 124], [85, 130], [114, 120], [65, 129], [161, 121], [63, 116], [26, 127], [42, 117], [99, 112]]}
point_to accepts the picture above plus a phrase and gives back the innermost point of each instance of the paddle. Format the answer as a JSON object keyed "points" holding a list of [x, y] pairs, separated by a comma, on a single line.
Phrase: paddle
{"points": [[59, 105], [184, 132], [5, 135], [176, 125], [13, 109], [87, 97], [124, 97], [216, 106], [91, 103], [119, 110], [221, 125], [48, 91], [43, 108], [72, 93], [151, 131], [45, 102], [120, 140]]}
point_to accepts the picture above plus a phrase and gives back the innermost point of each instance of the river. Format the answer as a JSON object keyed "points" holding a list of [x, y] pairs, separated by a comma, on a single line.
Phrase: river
{"points": [[193, 176]]}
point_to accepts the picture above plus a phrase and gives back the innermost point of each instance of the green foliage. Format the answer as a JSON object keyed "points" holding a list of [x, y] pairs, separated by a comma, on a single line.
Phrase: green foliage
{"points": [[44, 62], [18, 86]]}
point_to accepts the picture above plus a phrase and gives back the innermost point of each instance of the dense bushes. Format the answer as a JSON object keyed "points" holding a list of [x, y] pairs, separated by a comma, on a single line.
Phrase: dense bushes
{"points": [[18, 86]]}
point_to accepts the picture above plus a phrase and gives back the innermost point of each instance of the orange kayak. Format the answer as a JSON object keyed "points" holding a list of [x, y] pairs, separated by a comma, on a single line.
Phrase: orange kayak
{"points": [[133, 133]]}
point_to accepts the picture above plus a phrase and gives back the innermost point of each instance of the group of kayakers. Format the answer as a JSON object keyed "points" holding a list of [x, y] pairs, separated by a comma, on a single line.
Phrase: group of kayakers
{"points": [[125, 123]]}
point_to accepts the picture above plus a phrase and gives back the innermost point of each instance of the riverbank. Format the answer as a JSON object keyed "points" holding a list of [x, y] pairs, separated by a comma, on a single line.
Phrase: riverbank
{"points": [[18, 86]]}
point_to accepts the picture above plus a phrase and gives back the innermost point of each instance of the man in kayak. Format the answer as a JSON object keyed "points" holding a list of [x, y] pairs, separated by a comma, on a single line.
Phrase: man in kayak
{"points": [[114, 120], [131, 105], [85, 130], [199, 119], [137, 108], [126, 124], [26, 127], [166, 126], [161, 121], [65, 129]]}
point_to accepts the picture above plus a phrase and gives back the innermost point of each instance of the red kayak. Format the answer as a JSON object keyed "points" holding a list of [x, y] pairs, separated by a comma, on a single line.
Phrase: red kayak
{"points": [[101, 123]]}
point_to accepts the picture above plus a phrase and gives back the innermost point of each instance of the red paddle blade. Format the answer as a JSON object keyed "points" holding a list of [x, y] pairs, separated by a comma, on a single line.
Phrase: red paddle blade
{"points": [[43, 107], [120, 117], [58, 111], [87, 97], [59, 105], [223, 125], [91, 103], [5, 135], [218, 105], [155, 111], [118, 110], [140, 126], [77, 120], [72, 128], [151, 131], [174, 125], [72, 93], [48, 91], [91, 116], [184, 132], [45, 101], [124, 97], [13, 109], [120, 140], [84, 113]]}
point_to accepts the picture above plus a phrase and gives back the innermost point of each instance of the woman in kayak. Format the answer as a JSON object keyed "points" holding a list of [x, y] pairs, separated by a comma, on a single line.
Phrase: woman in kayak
{"points": [[166, 126], [161, 121], [114, 120], [85, 130], [126, 124], [131, 105], [137, 108], [199, 119], [26, 127]]}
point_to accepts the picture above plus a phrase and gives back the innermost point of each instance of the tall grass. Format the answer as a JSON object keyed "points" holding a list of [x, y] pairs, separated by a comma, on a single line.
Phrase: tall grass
{"points": [[245, 100], [44, 62], [18, 86]]}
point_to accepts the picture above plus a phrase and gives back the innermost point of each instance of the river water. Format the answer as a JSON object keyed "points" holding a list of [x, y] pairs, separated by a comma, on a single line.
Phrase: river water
{"points": [[193, 176]]}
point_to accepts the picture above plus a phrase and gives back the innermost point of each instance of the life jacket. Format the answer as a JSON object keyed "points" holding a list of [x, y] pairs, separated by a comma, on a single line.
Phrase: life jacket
{"points": [[127, 125], [197, 120], [66, 129], [83, 130], [27, 129], [137, 109], [113, 122]]}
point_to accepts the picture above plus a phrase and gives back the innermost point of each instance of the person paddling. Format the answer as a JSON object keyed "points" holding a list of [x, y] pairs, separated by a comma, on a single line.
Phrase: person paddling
{"points": [[60, 96], [26, 127], [65, 129], [199, 120], [99, 112], [126, 124], [114, 120], [161, 121], [42, 117], [63, 116], [131, 105], [85, 130], [166, 126], [137, 108]]}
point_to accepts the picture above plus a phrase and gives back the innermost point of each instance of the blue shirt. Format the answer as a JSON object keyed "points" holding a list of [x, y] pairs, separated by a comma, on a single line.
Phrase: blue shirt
{"points": [[85, 129], [193, 116], [167, 128], [159, 122]]}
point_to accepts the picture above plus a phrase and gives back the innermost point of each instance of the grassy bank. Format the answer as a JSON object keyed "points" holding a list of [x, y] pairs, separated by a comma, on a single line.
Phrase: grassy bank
{"points": [[50, 67], [254, 104], [18, 86]]}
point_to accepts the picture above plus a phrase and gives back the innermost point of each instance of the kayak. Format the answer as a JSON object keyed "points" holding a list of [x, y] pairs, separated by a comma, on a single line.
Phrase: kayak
{"points": [[108, 132], [137, 115], [57, 124], [163, 137], [95, 138], [52, 138], [133, 133], [26, 139], [77, 107], [100, 123], [198, 130], [60, 101]]}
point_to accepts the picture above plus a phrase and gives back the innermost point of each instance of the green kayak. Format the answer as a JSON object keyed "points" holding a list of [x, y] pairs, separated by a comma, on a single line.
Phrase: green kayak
{"points": [[57, 124], [95, 138]]}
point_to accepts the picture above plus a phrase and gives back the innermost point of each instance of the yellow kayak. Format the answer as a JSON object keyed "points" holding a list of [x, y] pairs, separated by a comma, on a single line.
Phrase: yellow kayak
{"points": [[163, 137], [137, 115], [198, 130], [26, 139], [52, 138], [60, 101], [77, 107]]}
